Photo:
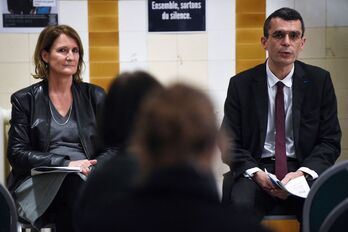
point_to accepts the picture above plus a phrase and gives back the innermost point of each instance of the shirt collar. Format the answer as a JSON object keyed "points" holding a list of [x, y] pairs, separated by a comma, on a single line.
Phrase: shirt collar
{"points": [[272, 79]]}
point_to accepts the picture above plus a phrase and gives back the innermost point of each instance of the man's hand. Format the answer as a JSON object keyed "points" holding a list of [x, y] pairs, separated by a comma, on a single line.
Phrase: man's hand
{"points": [[291, 175], [262, 179]]}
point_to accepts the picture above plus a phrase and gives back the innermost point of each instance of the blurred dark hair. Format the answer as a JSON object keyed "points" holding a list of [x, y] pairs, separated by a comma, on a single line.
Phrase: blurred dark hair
{"points": [[175, 124], [284, 13], [124, 97]]}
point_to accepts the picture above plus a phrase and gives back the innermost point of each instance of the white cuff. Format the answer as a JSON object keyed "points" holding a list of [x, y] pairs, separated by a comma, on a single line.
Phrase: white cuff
{"points": [[250, 172], [310, 172]]}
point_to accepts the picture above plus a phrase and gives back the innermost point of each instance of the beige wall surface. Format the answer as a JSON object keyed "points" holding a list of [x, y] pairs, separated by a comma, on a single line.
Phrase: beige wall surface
{"points": [[205, 59]]}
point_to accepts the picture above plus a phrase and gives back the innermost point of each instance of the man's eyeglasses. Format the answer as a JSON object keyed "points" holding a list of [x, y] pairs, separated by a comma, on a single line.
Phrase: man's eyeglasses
{"points": [[293, 35]]}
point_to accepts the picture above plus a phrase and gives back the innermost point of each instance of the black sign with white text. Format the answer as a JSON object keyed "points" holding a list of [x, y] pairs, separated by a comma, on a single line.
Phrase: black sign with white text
{"points": [[176, 15], [29, 20]]}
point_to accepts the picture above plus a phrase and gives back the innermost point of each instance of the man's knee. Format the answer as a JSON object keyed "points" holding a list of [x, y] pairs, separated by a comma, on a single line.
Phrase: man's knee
{"points": [[241, 191], [244, 192]]}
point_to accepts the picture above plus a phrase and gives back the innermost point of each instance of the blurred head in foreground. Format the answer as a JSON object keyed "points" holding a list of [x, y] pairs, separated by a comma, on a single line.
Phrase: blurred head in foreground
{"points": [[123, 100], [176, 126]]}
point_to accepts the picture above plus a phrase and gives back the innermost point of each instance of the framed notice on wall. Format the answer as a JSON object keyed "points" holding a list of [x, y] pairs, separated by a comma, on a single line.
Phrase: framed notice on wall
{"points": [[176, 15], [27, 15]]}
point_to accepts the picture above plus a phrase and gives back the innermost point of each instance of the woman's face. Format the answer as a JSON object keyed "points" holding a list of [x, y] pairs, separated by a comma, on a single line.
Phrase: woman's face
{"points": [[63, 57]]}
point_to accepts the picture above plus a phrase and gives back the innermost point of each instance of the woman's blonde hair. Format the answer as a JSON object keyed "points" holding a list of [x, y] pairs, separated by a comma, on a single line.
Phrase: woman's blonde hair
{"points": [[45, 42]]}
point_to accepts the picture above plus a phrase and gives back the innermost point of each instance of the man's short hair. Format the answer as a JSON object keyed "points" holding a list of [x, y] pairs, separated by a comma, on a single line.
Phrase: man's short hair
{"points": [[284, 13]]}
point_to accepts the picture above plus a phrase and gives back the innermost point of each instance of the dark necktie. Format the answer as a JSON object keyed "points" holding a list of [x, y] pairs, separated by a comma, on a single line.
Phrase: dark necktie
{"points": [[281, 167]]}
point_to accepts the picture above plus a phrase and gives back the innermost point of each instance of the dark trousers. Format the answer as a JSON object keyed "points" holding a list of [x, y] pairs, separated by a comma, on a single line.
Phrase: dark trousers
{"points": [[60, 212], [245, 193]]}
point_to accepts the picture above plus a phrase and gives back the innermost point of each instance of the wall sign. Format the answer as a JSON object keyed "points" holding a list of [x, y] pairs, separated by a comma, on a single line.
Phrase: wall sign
{"points": [[176, 15], [27, 15]]}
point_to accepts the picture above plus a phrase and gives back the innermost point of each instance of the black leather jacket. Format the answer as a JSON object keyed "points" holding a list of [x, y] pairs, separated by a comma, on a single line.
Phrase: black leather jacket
{"points": [[29, 134]]}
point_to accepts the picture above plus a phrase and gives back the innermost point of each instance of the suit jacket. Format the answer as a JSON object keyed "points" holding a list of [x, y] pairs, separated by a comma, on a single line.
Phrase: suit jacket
{"points": [[171, 199], [316, 128]]}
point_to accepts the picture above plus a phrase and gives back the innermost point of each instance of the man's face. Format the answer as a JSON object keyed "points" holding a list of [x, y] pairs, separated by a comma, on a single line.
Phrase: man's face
{"points": [[284, 42]]}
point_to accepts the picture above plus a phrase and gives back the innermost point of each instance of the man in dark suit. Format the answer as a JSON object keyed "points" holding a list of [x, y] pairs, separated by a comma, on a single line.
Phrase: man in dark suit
{"points": [[291, 128]]}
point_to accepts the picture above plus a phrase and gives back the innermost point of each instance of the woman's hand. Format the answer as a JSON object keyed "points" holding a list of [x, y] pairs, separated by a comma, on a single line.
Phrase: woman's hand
{"points": [[84, 165]]}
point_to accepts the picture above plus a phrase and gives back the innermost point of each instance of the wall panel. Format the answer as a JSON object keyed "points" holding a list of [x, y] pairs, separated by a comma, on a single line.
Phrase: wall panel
{"points": [[250, 15], [103, 41]]}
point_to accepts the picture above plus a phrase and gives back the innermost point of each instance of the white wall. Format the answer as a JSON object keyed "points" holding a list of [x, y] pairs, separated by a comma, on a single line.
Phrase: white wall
{"points": [[204, 59]]}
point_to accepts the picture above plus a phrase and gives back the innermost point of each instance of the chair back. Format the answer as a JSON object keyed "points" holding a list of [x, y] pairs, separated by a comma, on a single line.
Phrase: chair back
{"points": [[8, 213], [337, 220], [326, 193], [4, 126]]}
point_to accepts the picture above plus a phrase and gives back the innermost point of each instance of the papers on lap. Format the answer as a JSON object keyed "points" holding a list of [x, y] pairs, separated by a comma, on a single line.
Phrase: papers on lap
{"points": [[297, 186], [44, 169]]}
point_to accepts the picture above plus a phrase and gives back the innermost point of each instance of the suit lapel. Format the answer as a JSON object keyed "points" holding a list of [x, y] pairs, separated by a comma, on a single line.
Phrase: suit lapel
{"points": [[260, 94], [300, 84]]}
